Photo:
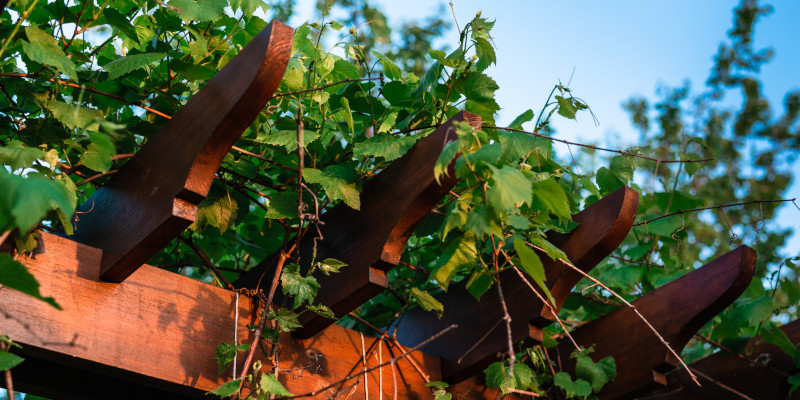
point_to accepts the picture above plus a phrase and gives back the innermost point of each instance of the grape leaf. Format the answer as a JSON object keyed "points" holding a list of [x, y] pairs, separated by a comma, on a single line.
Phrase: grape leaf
{"points": [[129, 63], [15, 276]]}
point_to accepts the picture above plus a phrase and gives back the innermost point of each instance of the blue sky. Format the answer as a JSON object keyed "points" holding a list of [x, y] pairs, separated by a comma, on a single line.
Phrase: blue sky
{"points": [[617, 48]]}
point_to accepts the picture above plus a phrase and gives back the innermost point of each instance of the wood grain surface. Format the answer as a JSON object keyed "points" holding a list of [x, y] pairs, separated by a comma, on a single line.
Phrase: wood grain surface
{"points": [[725, 375], [603, 226], [155, 194], [676, 310], [155, 334]]}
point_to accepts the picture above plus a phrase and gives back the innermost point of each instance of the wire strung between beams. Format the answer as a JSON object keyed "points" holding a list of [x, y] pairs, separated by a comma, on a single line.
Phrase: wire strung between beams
{"points": [[589, 146], [712, 208], [314, 89]]}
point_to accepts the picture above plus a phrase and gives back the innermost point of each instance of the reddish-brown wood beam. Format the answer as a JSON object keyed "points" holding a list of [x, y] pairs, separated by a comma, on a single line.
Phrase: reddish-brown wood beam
{"points": [[371, 240], [723, 374], [154, 336], [154, 196], [676, 310], [603, 226]]}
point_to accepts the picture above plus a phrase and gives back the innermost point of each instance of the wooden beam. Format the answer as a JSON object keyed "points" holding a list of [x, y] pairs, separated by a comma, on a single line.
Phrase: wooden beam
{"points": [[725, 375], [676, 310], [603, 226], [371, 240], [155, 194], [155, 334]]}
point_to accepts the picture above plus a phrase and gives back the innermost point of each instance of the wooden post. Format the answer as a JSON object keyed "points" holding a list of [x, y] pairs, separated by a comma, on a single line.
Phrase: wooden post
{"points": [[371, 240], [676, 310], [603, 226], [154, 196]]}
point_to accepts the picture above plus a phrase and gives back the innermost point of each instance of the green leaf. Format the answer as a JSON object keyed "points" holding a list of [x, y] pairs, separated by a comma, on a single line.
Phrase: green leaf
{"points": [[17, 155], [460, 253], [335, 188], [27, 200], [617, 175], [282, 205], [201, 10], [426, 301], [287, 319], [330, 265], [549, 197], [269, 383], [389, 147], [508, 187], [497, 376], [15, 276], [579, 388], [343, 70], [322, 311], [217, 210], [287, 138], [389, 67], [44, 49], [483, 222], [753, 312], [248, 7], [227, 389], [9, 360], [479, 283], [550, 249], [75, 116], [526, 116], [348, 115], [596, 374], [517, 145], [117, 20], [96, 159], [532, 265], [771, 333], [127, 64], [485, 52], [477, 86], [303, 288], [566, 108], [449, 152], [225, 354], [430, 77]]}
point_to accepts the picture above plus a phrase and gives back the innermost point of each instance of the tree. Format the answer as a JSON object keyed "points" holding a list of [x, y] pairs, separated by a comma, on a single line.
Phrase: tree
{"points": [[85, 85]]}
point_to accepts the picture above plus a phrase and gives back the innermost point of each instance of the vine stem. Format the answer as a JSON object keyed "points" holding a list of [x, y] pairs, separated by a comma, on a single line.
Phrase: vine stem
{"points": [[593, 147], [636, 311], [381, 365], [259, 329], [711, 208], [314, 89]]}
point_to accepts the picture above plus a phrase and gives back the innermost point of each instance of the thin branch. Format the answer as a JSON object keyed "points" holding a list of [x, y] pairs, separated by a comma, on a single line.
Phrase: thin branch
{"points": [[327, 86], [720, 384], [262, 158], [636, 262], [94, 177], [589, 146], [381, 365], [474, 346], [711, 208], [741, 357], [206, 260], [511, 356], [635, 310]]}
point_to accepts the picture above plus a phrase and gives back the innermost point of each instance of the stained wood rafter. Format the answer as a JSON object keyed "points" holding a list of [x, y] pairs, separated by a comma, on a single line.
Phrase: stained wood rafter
{"points": [[142, 208]]}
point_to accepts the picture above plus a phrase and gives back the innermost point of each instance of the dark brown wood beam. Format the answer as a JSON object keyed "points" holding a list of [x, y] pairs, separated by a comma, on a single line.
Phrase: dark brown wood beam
{"points": [[371, 240], [154, 196], [760, 374], [676, 310], [603, 226], [154, 336]]}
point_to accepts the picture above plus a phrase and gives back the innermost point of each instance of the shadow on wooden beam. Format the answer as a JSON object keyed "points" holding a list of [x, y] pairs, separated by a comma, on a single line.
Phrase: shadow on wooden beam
{"points": [[154, 336], [155, 194], [371, 240], [762, 378], [603, 226], [676, 310]]}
